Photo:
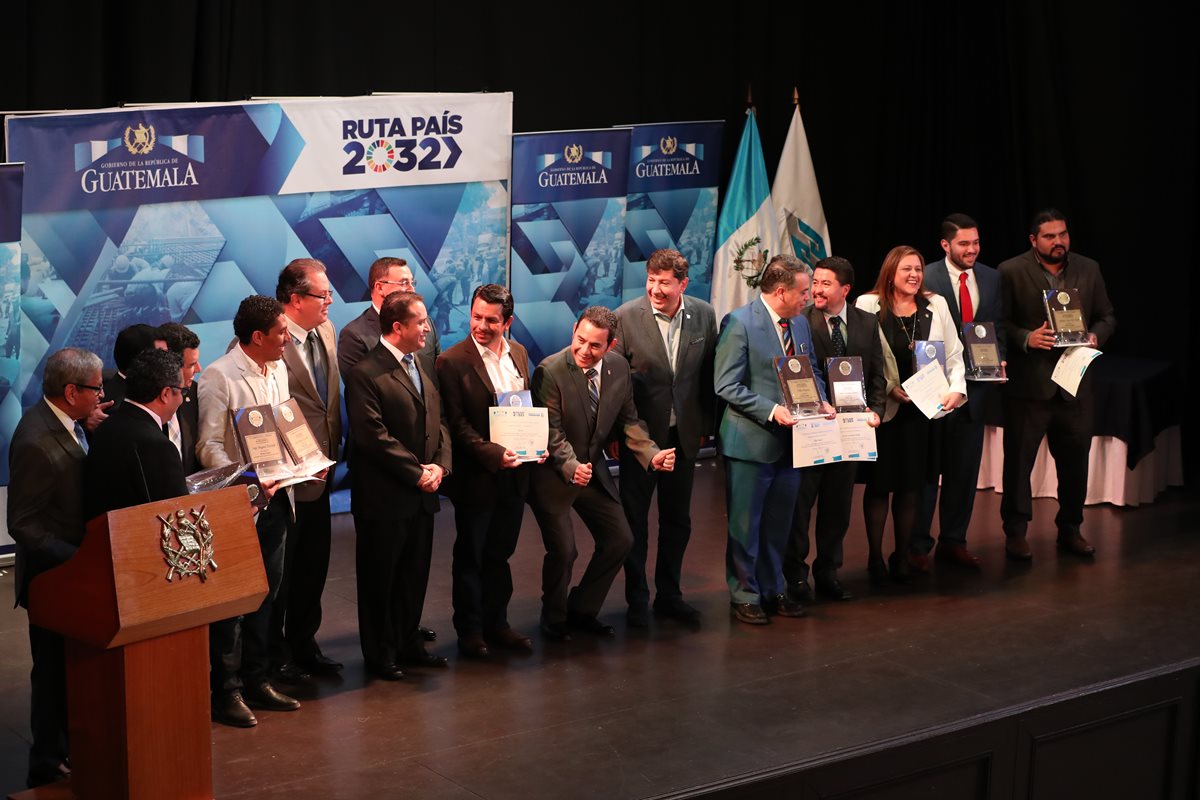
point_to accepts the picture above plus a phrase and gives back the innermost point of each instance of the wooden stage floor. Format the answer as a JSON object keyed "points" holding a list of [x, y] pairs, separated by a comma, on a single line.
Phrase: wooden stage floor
{"points": [[662, 711]]}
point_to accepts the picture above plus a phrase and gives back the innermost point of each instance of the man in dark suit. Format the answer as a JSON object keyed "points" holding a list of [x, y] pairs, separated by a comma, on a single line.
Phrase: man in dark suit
{"points": [[1034, 406], [45, 519], [183, 426], [588, 395], [130, 341], [756, 438], [838, 330], [972, 291], [490, 484], [132, 459], [668, 340], [401, 455], [311, 361]]}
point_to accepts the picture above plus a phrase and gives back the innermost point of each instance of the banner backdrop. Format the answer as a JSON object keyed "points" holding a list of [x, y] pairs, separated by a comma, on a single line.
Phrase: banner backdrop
{"points": [[568, 231], [10, 318], [177, 213], [674, 171]]}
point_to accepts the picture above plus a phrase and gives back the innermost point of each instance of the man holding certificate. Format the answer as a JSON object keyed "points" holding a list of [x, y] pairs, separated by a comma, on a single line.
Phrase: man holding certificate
{"points": [[490, 482], [1033, 405]]}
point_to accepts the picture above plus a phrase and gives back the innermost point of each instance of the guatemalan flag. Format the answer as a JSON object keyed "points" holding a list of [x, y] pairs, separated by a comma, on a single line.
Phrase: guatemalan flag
{"points": [[745, 214], [800, 219]]}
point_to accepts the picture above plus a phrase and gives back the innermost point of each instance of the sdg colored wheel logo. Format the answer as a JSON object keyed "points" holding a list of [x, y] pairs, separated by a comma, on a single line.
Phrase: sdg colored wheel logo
{"points": [[380, 155]]}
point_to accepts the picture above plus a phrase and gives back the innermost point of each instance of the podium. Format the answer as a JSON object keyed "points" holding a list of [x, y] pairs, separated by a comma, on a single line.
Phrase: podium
{"points": [[136, 634]]}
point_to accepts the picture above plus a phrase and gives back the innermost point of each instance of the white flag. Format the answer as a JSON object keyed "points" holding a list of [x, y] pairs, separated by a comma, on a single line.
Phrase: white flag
{"points": [[800, 220]]}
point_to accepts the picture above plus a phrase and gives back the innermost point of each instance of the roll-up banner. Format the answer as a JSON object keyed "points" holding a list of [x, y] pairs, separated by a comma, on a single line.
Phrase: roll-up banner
{"points": [[10, 325]]}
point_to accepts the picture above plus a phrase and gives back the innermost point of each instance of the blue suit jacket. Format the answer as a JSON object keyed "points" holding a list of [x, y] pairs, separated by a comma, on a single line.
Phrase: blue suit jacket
{"points": [[937, 279], [746, 380]]}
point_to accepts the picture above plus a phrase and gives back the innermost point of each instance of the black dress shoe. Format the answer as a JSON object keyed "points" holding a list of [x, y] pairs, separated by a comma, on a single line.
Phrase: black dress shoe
{"points": [[388, 672], [785, 606], [674, 608], [266, 697], [589, 624], [899, 570], [1016, 548], [831, 589], [509, 639], [228, 708], [638, 616], [291, 673], [424, 659], [473, 646], [749, 613], [321, 664], [428, 634], [877, 571], [800, 591], [555, 632]]}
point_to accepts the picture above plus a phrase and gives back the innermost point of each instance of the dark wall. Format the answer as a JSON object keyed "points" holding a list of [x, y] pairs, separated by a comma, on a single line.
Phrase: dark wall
{"points": [[913, 110]]}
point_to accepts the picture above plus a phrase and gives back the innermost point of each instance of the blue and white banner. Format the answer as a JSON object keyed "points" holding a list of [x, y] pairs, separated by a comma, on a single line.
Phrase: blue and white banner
{"points": [[797, 201], [11, 176], [674, 171], [568, 231]]}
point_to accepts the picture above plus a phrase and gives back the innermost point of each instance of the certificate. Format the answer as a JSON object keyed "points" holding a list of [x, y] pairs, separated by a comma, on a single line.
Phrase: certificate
{"points": [[927, 388], [816, 441], [858, 437], [1071, 366], [524, 430]]}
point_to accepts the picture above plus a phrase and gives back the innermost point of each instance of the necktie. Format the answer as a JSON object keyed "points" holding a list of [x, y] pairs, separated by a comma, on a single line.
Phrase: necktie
{"points": [[839, 341], [789, 347], [964, 299], [79, 437], [410, 364], [166, 431], [593, 393], [316, 358]]}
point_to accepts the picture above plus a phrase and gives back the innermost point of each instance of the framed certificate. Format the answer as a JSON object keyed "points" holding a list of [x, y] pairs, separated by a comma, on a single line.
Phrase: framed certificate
{"points": [[982, 353], [845, 379], [297, 436], [799, 385], [259, 441], [1064, 312]]}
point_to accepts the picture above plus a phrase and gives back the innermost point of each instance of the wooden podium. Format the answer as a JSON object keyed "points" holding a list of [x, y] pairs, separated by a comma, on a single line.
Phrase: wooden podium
{"points": [[137, 643]]}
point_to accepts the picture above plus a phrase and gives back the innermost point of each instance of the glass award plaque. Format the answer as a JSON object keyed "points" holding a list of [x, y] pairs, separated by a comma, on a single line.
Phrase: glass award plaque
{"points": [[982, 352], [298, 438], [799, 386], [927, 351], [259, 442], [515, 399], [846, 385], [209, 480], [1064, 312]]}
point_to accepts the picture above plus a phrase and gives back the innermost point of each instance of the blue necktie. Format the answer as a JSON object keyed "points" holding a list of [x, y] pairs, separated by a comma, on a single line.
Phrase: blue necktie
{"points": [[80, 437], [789, 347], [593, 393], [410, 364]]}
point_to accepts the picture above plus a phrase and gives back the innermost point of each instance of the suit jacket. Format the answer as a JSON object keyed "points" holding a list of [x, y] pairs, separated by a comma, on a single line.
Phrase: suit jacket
{"points": [[45, 494], [937, 280], [746, 379], [114, 389], [224, 387], [323, 414], [467, 394], [561, 387], [361, 334], [656, 390], [188, 416], [130, 462], [1022, 283], [934, 323], [862, 340], [395, 429]]}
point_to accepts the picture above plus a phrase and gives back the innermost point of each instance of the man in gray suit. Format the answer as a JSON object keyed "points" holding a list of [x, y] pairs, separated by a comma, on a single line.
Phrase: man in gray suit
{"points": [[45, 519], [588, 394], [668, 340]]}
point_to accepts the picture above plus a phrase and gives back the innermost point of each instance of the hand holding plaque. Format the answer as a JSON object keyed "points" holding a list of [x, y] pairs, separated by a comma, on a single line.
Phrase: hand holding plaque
{"points": [[982, 353], [1064, 312], [846, 383], [799, 385]]}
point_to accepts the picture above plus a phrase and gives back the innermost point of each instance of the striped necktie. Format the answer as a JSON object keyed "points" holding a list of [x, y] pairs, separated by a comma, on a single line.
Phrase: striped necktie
{"points": [[593, 393], [789, 347]]}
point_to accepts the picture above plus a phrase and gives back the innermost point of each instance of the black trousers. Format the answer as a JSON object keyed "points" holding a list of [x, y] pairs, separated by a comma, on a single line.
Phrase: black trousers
{"points": [[296, 613], [830, 488], [674, 523], [486, 539], [392, 564], [238, 648], [47, 705], [1067, 426], [962, 450]]}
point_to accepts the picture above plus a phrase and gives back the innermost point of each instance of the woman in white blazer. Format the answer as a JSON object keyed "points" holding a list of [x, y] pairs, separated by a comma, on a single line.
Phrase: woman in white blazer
{"points": [[907, 440]]}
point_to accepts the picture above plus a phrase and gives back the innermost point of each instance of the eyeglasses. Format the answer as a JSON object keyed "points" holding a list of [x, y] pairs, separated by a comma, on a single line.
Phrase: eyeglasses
{"points": [[96, 389], [322, 296], [405, 282], [180, 389]]}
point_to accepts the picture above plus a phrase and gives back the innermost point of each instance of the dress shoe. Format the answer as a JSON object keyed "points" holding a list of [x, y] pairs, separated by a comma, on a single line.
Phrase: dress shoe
{"points": [[749, 613], [831, 588], [555, 632], [388, 672], [1075, 544], [228, 708], [473, 646], [509, 639], [800, 591], [424, 659], [638, 616], [589, 624], [291, 673], [266, 697], [320, 664], [428, 634], [877, 571], [785, 606], [957, 554], [674, 608], [898, 569], [1017, 548], [45, 775], [919, 563]]}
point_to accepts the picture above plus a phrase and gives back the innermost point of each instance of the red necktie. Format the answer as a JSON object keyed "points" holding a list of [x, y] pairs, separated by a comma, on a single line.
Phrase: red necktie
{"points": [[964, 299]]}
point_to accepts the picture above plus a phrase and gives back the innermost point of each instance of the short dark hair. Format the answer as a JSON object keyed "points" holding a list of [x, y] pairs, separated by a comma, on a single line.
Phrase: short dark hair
{"points": [[953, 223], [256, 313], [397, 307], [178, 337], [668, 261], [131, 341], [781, 270], [840, 267], [295, 278], [1044, 216], [497, 295], [600, 317], [380, 267], [150, 371]]}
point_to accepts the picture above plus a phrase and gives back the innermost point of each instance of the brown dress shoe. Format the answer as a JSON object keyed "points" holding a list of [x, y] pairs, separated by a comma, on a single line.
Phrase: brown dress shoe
{"points": [[749, 613], [509, 639], [472, 646], [957, 554], [1017, 548], [1075, 544], [919, 563]]}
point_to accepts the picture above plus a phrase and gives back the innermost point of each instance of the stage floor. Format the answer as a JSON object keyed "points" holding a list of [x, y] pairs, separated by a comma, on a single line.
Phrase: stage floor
{"points": [[661, 711]]}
